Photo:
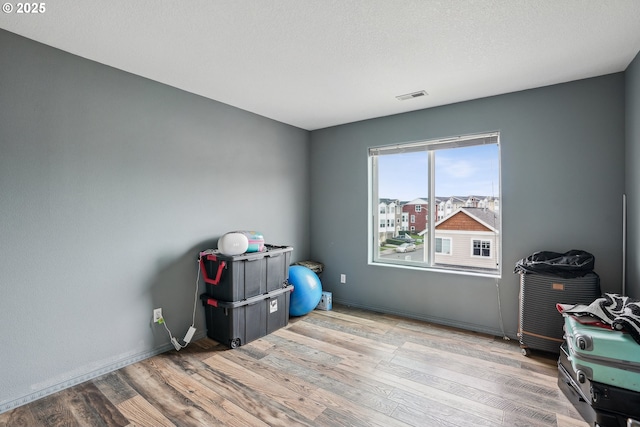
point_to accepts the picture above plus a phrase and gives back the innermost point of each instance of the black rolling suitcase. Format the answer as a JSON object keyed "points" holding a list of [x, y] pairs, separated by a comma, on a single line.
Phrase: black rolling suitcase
{"points": [[548, 278], [599, 404]]}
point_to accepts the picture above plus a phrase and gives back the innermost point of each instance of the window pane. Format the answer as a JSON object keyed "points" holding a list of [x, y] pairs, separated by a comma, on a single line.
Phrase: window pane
{"points": [[402, 179], [446, 246], [476, 247], [467, 185], [486, 248]]}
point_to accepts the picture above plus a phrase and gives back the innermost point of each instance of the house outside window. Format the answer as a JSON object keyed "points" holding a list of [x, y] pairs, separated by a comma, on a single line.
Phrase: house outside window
{"points": [[455, 185]]}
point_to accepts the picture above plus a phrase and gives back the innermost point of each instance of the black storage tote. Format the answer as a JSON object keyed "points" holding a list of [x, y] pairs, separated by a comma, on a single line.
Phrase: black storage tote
{"points": [[238, 277], [237, 323]]}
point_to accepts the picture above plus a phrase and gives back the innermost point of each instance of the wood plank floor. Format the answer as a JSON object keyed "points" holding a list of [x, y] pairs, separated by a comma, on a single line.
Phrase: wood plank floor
{"points": [[346, 367]]}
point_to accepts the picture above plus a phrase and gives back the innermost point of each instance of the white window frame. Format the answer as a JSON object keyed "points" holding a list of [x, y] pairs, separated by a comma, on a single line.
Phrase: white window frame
{"points": [[429, 263], [450, 246], [482, 242]]}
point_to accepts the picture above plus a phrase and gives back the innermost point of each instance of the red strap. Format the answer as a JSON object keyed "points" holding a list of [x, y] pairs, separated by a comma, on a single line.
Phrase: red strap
{"points": [[221, 266], [591, 321], [212, 302]]}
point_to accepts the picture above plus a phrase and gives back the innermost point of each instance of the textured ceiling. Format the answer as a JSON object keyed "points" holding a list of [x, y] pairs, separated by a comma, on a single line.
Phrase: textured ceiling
{"points": [[314, 64]]}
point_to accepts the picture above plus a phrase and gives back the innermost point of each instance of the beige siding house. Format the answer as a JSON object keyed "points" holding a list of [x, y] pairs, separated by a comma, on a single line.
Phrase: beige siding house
{"points": [[469, 237]]}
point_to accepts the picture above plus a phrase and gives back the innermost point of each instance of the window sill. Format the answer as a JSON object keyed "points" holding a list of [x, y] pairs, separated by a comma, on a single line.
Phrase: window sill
{"points": [[496, 275]]}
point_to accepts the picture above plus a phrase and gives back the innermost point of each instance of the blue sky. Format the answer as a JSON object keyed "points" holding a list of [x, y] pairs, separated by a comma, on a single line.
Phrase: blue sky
{"points": [[459, 172]]}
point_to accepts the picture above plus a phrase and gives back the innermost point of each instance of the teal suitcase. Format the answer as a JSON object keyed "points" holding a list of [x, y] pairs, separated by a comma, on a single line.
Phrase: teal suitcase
{"points": [[602, 354]]}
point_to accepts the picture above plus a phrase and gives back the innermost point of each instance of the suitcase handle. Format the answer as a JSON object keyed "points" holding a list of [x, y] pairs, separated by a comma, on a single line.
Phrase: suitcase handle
{"points": [[221, 267]]}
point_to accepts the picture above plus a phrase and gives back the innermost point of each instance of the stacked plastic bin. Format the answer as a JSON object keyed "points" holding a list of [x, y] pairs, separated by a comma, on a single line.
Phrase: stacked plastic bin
{"points": [[247, 296]]}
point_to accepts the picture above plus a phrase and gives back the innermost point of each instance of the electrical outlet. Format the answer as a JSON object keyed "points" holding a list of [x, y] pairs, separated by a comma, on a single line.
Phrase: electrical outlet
{"points": [[157, 315], [343, 278]]}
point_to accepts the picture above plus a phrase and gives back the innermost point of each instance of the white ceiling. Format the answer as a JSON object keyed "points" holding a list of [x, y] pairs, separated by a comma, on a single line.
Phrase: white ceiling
{"points": [[314, 64]]}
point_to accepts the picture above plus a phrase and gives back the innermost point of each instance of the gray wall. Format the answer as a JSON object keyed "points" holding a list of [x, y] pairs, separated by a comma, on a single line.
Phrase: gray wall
{"points": [[110, 184], [562, 185], [632, 178]]}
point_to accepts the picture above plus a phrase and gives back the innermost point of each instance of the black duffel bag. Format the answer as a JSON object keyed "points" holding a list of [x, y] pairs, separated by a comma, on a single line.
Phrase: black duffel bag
{"points": [[571, 264]]}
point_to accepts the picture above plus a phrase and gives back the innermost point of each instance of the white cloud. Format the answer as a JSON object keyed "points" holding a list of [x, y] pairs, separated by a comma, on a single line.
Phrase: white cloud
{"points": [[456, 168]]}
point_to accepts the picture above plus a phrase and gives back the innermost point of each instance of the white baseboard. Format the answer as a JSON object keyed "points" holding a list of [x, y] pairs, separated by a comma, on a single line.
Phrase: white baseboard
{"points": [[9, 404]]}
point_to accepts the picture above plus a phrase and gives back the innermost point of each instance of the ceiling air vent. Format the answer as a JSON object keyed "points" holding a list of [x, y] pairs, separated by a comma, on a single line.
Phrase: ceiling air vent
{"points": [[412, 95]]}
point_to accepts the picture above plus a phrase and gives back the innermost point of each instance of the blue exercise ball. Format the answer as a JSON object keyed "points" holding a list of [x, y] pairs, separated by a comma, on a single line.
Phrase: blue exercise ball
{"points": [[307, 290]]}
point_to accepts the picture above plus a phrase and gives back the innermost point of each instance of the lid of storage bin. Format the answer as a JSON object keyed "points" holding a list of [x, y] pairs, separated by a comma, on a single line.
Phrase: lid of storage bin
{"points": [[270, 251], [208, 300]]}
